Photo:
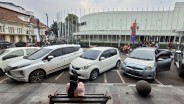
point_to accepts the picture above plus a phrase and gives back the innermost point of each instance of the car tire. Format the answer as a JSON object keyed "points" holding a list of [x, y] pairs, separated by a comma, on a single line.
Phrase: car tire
{"points": [[180, 73], [94, 74], [118, 64], [37, 76], [1, 72], [154, 77]]}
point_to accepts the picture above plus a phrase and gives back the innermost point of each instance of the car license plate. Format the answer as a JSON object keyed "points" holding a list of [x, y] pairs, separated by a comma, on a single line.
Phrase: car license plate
{"points": [[133, 72]]}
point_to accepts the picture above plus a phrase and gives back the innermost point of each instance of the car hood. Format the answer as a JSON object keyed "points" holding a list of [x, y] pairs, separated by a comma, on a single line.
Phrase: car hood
{"points": [[132, 61], [80, 62], [21, 62]]}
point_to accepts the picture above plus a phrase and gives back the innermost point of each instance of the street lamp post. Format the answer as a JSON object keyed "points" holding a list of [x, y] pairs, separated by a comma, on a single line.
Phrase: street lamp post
{"points": [[47, 19]]}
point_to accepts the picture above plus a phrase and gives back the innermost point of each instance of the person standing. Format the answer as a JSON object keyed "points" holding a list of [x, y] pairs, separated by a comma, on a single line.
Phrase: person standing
{"points": [[170, 46]]}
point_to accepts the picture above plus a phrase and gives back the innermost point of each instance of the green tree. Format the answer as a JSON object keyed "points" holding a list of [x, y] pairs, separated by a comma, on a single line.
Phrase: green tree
{"points": [[54, 28], [72, 18]]}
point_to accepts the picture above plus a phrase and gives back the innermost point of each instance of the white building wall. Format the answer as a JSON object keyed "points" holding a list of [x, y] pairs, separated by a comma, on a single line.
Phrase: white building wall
{"points": [[157, 22]]}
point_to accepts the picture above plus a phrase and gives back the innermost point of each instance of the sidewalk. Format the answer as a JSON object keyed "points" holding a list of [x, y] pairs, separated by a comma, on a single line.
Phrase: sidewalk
{"points": [[120, 93]]}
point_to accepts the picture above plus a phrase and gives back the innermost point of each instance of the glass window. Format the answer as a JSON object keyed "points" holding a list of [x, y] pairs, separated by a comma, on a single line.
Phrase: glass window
{"points": [[91, 54], [106, 54], [3, 51], [142, 54], [113, 52], [56, 53], [30, 51], [17, 53], [68, 50], [76, 48], [38, 54]]}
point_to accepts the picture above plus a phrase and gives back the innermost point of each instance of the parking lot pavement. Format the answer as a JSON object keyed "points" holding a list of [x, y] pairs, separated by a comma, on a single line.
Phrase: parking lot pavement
{"points": [[120, 93]]}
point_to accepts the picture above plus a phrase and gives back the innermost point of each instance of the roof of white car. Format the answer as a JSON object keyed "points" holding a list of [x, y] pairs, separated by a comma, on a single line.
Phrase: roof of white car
{"points": [[16, 48], [102, 48], [61, 46]]}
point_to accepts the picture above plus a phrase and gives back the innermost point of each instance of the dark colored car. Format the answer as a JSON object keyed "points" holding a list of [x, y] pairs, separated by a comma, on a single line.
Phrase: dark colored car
{"points": [[4, 44], [20, 44], [179, 60]]}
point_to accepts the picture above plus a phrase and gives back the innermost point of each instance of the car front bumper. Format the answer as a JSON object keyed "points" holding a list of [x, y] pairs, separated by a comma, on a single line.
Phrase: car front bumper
{"points": [[138, 73], [82, 74]]}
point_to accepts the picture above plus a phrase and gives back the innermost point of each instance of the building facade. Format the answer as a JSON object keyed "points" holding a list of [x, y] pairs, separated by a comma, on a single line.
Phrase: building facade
{"points": [[115, 26], [17, 24]]}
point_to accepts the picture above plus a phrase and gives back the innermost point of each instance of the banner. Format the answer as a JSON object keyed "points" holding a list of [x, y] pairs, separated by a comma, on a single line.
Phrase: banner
{"points": [[133, 32]]}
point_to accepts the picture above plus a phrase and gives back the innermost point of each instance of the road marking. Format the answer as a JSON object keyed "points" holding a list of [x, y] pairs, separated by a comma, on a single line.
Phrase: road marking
{"points": [[131, 85], [59, 76], [105, 78], [4, 80], [120, 77], [159, 82], [164, 85]]}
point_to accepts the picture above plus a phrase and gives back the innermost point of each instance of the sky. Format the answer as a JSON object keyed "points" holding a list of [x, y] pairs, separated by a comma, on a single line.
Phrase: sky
{"points": [[52, 7]]}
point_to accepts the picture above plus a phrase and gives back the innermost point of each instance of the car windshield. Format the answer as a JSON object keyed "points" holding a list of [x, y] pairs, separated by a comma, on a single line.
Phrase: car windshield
{"points": [[91, 54], [3, 52], [40, 53], [142, 54]]}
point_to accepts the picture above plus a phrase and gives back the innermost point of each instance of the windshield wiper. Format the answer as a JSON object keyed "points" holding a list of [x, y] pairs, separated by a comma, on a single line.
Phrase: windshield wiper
{"points": [[135, 57]]}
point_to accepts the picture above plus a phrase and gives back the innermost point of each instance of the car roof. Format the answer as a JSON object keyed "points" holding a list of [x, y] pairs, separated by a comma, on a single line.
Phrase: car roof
{"points": [[61, 46], [16, 48], [146, 48], [102, 48]]}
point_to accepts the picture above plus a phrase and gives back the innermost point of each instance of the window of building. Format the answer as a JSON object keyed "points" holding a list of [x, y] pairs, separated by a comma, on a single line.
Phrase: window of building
{"points": [[19, 30], [2, 29], [11, 29]]}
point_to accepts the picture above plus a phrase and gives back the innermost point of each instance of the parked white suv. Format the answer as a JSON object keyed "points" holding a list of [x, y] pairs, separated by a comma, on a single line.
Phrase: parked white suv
{"points": [[95, 61], [47, 60], [11, 54]]}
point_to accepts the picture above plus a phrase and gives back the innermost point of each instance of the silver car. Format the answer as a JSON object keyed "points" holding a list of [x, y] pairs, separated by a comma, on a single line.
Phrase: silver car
{"points": [[145, 62]]}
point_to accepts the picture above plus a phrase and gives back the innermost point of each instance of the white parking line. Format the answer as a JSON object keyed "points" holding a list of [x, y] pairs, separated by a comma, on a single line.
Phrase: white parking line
{"points": [[159, 82], [59, 76], [4, 80], [164, 85], [120, 77], [105, 78]]}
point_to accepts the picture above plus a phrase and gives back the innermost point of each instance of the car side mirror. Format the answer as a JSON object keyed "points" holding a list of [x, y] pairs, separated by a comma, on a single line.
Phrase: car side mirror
{"points": [[25, 57], [178, 51], [102, 58], [50, 57], [160, 59]]}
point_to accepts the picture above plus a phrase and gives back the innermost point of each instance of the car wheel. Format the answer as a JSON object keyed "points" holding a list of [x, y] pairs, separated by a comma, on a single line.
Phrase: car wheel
{"points": [[1, 72], [154, 77], [118, 64], [94, 74], [36, 76], [181, 74]]}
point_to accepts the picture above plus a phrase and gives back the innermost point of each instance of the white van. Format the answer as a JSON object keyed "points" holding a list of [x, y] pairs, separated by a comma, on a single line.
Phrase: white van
{"points": [[47, 60], [11, 54]]}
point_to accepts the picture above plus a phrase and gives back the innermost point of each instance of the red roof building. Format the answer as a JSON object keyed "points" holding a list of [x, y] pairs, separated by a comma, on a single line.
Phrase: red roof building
{"points": [[16, 24]]}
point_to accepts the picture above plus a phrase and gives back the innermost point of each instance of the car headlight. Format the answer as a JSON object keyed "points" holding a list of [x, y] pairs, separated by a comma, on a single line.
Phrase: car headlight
{"points": [[149, 67], [86, 66], [21, 72]]}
